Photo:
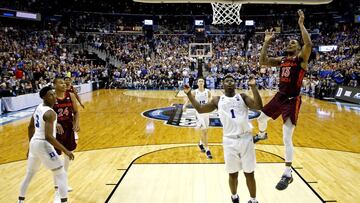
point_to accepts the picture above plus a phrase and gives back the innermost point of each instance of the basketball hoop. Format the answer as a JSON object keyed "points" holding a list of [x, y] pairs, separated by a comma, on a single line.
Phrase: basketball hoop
{"points": [[226, 13]]}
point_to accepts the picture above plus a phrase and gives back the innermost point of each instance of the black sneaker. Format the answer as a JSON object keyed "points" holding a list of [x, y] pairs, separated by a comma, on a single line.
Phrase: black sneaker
{"points": [[208, 154], [236, 200], [284, 182], [202, 148], [257, 138], [252, 201]]}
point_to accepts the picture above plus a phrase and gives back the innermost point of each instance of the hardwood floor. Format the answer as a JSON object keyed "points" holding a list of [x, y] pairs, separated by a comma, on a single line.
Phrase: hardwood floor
{"points": [[114, 134]]}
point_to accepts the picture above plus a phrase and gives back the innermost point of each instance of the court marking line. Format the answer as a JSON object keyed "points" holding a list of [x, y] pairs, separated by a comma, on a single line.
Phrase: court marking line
{"points": [[188, 144], [123, 176]]}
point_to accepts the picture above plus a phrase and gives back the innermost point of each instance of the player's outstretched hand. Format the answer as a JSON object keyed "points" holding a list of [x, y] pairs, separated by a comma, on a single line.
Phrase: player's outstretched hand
{"points": [[252, 81], [187, 88], [301, 17], [69, 154], [269, 35]]}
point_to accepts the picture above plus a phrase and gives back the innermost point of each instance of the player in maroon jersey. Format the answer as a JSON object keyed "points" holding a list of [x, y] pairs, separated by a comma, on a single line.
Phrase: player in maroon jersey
{"points": [[287, 100], [70, 88], [68, 118]]}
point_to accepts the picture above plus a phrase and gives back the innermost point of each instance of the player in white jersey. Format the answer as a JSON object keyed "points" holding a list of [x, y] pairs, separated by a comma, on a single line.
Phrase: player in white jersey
{"points": [[239, 151], [42, 132], [203, 96]]}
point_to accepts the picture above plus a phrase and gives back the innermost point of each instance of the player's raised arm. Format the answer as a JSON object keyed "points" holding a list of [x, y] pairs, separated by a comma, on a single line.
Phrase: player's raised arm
{"points": [[201, 108], [256, 102], [306, 49], [264, 59]]}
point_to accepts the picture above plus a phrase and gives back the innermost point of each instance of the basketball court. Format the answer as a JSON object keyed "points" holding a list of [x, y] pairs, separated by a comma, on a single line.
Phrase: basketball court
{"points": [[124, 156]]}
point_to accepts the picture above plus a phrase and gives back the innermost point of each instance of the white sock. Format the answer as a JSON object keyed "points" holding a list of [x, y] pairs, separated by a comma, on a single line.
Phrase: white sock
{"points": [[235, 196], [253, 200], [262, 133], [288, 171], [207, 149]]}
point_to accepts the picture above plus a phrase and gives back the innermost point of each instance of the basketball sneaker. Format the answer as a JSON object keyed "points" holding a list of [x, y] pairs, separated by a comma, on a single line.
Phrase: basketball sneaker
{"points": [[202, 148], [236, 200], [253, 201], [208, 154], [70, 189], [258, 137], [284, 182], [57, 198]]}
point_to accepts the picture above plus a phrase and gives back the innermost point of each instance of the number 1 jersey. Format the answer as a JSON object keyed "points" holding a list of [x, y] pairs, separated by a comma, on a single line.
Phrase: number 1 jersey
{"points": [[234, 116]]}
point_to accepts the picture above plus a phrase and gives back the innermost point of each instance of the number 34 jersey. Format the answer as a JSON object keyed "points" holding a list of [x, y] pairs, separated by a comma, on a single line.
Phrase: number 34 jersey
{"points": [[234, 116], [39, 122], [64, 109]]}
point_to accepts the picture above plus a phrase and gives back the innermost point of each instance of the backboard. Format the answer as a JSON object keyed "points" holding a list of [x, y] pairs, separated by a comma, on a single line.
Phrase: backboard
{"points": [[200, 50]]}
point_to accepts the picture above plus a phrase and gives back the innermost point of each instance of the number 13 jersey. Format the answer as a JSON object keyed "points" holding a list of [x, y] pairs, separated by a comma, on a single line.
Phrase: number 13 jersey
{"points": [[234, 116]]}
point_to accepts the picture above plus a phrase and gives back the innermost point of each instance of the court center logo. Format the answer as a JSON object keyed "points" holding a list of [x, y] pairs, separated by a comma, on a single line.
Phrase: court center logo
{"points": [[174, 115]]}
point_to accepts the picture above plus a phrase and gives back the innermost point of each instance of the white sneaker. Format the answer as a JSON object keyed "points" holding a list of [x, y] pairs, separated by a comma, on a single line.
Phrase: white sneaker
{"points": [[70, 189], [57, 198]]}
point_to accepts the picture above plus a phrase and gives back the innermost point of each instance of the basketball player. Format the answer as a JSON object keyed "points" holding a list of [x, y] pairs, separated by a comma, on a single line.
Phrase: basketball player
{"points": [[68, 119], [71, 89], [202, 96], [287, 101], [41, 132], [239, 151]]}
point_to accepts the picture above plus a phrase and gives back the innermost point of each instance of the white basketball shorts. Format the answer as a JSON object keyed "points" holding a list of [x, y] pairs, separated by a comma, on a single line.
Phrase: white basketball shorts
{"points": [[203, 120], [41, 151], [239, 154]]}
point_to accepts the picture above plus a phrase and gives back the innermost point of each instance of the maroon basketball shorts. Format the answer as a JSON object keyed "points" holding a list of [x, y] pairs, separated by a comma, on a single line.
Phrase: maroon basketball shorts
{"points": [[281, 104], [67, 138]]}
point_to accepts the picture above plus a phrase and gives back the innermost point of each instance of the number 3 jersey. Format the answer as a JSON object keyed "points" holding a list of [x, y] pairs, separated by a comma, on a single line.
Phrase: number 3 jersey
{"points": [[234, 116], [64, 110], [39, 122], [291, 76]]}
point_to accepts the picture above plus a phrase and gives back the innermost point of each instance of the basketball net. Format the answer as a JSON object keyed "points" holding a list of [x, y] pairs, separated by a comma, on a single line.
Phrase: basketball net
{"points": [[226, 13]]}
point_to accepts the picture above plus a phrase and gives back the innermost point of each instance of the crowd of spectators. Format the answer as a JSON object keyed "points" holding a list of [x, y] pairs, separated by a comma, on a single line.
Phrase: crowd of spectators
{"points": [[164, 63], [30, 60]]}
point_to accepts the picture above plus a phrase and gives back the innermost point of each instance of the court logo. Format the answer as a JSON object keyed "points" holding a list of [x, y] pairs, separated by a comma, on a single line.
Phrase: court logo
{"points": [[174, 115]]}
